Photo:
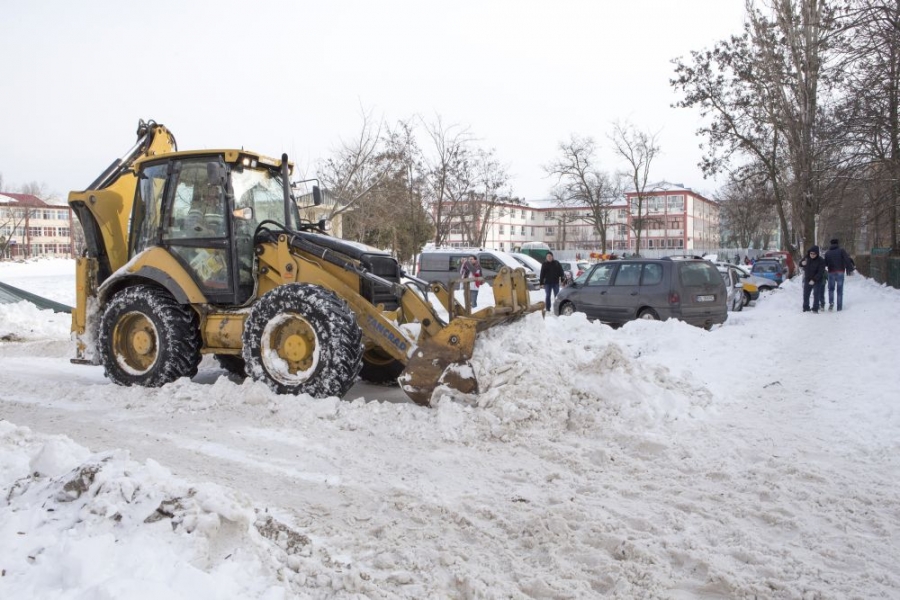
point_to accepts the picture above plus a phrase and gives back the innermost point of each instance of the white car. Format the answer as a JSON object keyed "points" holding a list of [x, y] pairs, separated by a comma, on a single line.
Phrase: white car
{"points": [[529, 262], [574, 268], [762, 283]]}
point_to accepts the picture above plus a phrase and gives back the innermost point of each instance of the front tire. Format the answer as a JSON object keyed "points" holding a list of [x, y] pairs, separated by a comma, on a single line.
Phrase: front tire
{"points": [[146, 338], [567, 309], [746, 300], [303, 339]]}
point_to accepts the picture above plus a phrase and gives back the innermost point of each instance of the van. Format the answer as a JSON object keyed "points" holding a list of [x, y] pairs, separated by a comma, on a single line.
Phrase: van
{"points": [[536, 250], [616, 292], [442, 264]]}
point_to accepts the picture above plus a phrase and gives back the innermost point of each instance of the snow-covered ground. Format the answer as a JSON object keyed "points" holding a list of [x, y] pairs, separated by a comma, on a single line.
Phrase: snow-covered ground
{"points": [[757, 460]]}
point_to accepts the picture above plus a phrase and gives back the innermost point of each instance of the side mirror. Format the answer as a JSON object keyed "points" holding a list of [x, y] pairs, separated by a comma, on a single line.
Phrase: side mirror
{"points": [[317, 195], [322, 225], [245, 214]]}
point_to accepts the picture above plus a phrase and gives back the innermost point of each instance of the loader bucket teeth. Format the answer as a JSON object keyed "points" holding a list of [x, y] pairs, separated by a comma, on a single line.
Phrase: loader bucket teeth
{"points": [[442, 360]]}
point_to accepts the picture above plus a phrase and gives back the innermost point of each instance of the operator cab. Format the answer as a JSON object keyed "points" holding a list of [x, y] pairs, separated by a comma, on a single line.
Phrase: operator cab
{"points": [[205, 210]]}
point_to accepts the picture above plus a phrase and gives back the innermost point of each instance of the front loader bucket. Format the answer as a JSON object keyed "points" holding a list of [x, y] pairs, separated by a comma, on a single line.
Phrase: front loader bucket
{"points": [[449, 351], [443, 359]]}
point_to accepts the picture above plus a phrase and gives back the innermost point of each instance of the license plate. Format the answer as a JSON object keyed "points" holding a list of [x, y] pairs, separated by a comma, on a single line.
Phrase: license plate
{"points": [[705, 298]]}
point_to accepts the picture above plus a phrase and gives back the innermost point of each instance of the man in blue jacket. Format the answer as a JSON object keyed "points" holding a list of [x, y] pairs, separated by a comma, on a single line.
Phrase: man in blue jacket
{"points": [[838, 263], [813, 276]]}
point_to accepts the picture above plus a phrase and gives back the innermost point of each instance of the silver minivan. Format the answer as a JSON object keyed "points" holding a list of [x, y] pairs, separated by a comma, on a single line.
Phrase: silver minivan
{"points": [[443, 264], [619, 291]]}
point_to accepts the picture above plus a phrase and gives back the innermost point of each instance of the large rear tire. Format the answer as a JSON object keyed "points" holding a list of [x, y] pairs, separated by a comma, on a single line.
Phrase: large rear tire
{"points": [[146, 338], [303, 339]]}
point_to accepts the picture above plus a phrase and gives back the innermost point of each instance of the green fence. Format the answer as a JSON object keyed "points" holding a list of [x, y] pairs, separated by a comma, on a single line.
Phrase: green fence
{"points": [[880, 266]]}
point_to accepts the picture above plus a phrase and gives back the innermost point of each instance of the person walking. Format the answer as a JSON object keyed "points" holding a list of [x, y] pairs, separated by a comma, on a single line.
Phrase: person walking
{"points": [[838, 263], [471, 269], [813, 267], [552, 274]]}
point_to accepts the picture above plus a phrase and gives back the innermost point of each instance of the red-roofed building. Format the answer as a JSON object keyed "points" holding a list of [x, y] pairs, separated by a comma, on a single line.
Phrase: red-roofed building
{"points": [[30, 227]]}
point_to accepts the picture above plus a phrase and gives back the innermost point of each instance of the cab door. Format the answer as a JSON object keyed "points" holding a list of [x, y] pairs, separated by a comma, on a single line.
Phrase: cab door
{"points": [[197, 225]]}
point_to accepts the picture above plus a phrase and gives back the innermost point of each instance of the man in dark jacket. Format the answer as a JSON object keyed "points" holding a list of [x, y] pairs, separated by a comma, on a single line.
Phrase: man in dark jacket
{"points": [[813, 276], [551, 275], [838, 263]]}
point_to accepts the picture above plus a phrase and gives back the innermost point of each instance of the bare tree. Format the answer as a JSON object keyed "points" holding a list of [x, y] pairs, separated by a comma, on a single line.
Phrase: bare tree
{"points": [[391, 214], [747, 209], [638, 149], [356, 167], [869, 113], [476, 212], [580, 182], [761, 91], [448, 175]]}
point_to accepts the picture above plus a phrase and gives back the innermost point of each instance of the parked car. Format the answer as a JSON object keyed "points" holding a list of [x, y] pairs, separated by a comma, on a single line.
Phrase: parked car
{"points": [[442, 264], [573, 269], [735, 288], [616, 292], [785, 258], [770, 268], [762, 283], [529, 262]]}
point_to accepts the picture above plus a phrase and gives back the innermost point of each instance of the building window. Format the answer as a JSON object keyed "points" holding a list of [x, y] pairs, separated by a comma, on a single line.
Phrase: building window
{"points": [[49, 231], [532, 229], [34, 232], [523, 230], [549, 231], [501, 230], [532, 215], [523, 213], [676, 203]]}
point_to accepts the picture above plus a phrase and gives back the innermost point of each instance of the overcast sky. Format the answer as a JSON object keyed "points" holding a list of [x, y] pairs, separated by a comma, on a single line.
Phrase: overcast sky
{"points": [[294, 77]]}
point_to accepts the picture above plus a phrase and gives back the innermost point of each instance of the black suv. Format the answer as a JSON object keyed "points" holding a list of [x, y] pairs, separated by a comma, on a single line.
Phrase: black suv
{"points": [[619, 291]]}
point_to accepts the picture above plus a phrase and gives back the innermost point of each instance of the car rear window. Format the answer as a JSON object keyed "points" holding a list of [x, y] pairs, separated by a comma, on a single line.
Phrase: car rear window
{"points": [[765, 267], [698, 274]]}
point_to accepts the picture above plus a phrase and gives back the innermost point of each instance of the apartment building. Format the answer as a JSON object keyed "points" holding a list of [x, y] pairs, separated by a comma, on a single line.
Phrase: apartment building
{"points": [[672, 218], [675, 219], [30, 227]]}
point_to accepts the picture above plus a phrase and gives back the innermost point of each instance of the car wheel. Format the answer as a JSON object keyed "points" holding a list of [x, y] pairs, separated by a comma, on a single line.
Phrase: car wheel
{"points": [[567, 309], [648, 314], [746, 300]]}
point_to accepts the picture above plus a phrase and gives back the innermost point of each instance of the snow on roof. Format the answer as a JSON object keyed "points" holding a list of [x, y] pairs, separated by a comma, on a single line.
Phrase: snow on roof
{"points": [[26, 199]]}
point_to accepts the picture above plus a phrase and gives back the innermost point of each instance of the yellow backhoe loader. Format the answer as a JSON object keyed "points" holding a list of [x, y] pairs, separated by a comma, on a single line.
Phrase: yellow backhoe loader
{"points": [[205, 252]]}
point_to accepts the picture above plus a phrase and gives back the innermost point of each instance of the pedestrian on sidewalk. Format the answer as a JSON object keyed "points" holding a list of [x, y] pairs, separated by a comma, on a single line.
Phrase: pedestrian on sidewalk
{"points": [[838, 263], [813, 267], [552, 274]]}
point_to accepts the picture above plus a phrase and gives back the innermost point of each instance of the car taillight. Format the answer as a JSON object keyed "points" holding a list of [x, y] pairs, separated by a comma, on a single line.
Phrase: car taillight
{"points": [[674, 298]]}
